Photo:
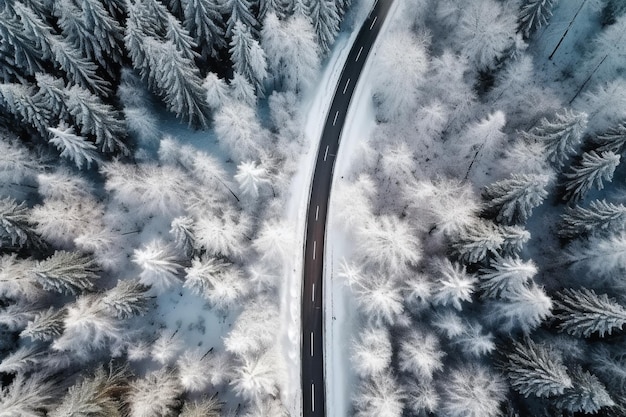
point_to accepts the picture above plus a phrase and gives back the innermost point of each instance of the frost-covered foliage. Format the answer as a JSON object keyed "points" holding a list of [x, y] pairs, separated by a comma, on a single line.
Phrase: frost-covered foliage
{"points": [[155, 395], [583, 312], [160, 265], [473, 391], [371, 352]]}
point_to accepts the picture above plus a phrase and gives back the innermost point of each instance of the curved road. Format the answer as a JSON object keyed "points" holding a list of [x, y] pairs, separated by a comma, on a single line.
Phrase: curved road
{"points": [[312, 321]]}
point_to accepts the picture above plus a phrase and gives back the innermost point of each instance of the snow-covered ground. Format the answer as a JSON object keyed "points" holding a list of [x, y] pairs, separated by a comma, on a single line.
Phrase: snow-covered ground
{"points": [[338, 312]]}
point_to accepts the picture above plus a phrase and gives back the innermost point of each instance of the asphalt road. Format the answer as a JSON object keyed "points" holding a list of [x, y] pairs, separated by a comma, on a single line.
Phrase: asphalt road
{"points": [[313, 393]]}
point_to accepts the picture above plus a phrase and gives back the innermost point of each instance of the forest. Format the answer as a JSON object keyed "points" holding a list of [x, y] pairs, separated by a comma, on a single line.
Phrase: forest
{"points": [[147, 153]]}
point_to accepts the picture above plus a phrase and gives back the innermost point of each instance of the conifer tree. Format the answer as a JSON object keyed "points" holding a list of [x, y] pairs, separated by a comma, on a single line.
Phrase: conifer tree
{"points": [[587, 395], [96, 396], [590, 172], [612, 140], [537, 370], [454, 285], [583, 313], [72, 146], [326, 18], [514, 199], [66, 272], [560, 136], [251, 178], [247, 55], [205, 407], [27, 396], [160, 265], [523, 308], [182, 230], [158, 394], [477, 240], [601, 255], [128, 298], [282, 8], [505, 275], [46, 325], [242, 91], [21, 101], [203, 20], [473, 391], [16, 226], [515, 237], [534, 14], [216, 90], [600, 217], [19, 53], [16, 281], [238, 10]]}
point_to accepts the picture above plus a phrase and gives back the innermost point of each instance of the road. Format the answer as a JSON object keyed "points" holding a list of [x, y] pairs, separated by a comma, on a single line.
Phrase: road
{"points": [[313, 393]]}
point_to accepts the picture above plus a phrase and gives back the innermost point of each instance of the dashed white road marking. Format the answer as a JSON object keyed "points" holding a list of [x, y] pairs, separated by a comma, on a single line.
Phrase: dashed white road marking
{"points": [[312, 396], [359, 54], [346, 87], [311, 343], [314, 246], [317, 209], [335, 119], [374, 22], [313, 293], [326, 153]]}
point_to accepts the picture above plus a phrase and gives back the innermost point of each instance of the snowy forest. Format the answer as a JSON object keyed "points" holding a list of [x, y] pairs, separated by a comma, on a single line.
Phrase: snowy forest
{"points": [[149, 151]]}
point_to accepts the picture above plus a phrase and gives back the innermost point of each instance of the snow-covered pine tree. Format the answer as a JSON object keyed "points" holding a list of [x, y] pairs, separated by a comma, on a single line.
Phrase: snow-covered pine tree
{"points": [[16, 225], [90, 28], [242, 90], [251, 177], [612, 140], [379, 396], [216, 90], [592, 170], [473, 391], [534, 14], [21, 361], [95, 396], [46, 325], [239, 10], [157, 394], [476, 240], [239, 131], [536, 369], [515, 237], [453, 284], [204, 273], [66, 272], [247, 56], [371, 351], [325, 15], [182, 231], [587, 395], [128, 298], [204, 21], [16, 281], [600, 217], [583, 313], [601, 255], [256, 376], [514, 199], [282, 8], [26, 396], [160, 265], [19, 54], [254, 330], [72, 146], [22, 102], [524, 308], [421, 355], [473, 341], [205, 407], [380, 300], [505, 275], [177, 80], [223, 235], [560, 136], [612, 10], [180, 38], [98, 118]]}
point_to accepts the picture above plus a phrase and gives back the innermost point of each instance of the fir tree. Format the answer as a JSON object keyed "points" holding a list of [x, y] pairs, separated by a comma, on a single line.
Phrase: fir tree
{"points": [[454, 285], [128, 298], [420, 354], [534, 14], [16, 226], [158, 394], [47, 325], [66, 272], [242, 90], [182, 231], [587, 395], [590, 172], [247, 55], [515, 198], [371, 351], [160, 265], [203, 20], [505, 275], [561, 136], [19, 53], [601, 255], [238, 10], [27, 396], [612, 140], [514, 239], [180, 38], [536, 370], [523, 308], [22, 360], [216, 90], [205, 407], [380, 396], [326, 19], [251, 177], [583, 313], [72, 146], [477, 240], [96, 396], [600, 217], [473, 391], [21, 101], [16, 281]]}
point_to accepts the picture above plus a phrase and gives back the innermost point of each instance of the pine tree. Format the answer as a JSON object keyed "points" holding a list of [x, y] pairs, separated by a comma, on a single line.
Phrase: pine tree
{"points": [[21, 361], [590, 172], [182, 231], [216, 90], [251, 177], [536, 370], [204, 273], [242, 90], [128, 298], [66, 272], [515, 237], [421, 355], [239, 131], [255, 376], [72, 146], [16, 225], [19, 52], [477, 240], [515, 198], [47, 325], [21, 101], [379, 396], [156, 395], [505, 275], [612, 140], [472, 340], [16, 281], [27, 396], [96, 396], [454, 285], [282, 8], [160, 265], [601, 255], [326, 19], [205, 407], [583, 313], [203, 20], [247, 55], [223, 235], [238, 10], [534, 14], [524, 308], [600, 217], [561, 136], [473, 391], [588, 395], [371, 351]]}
